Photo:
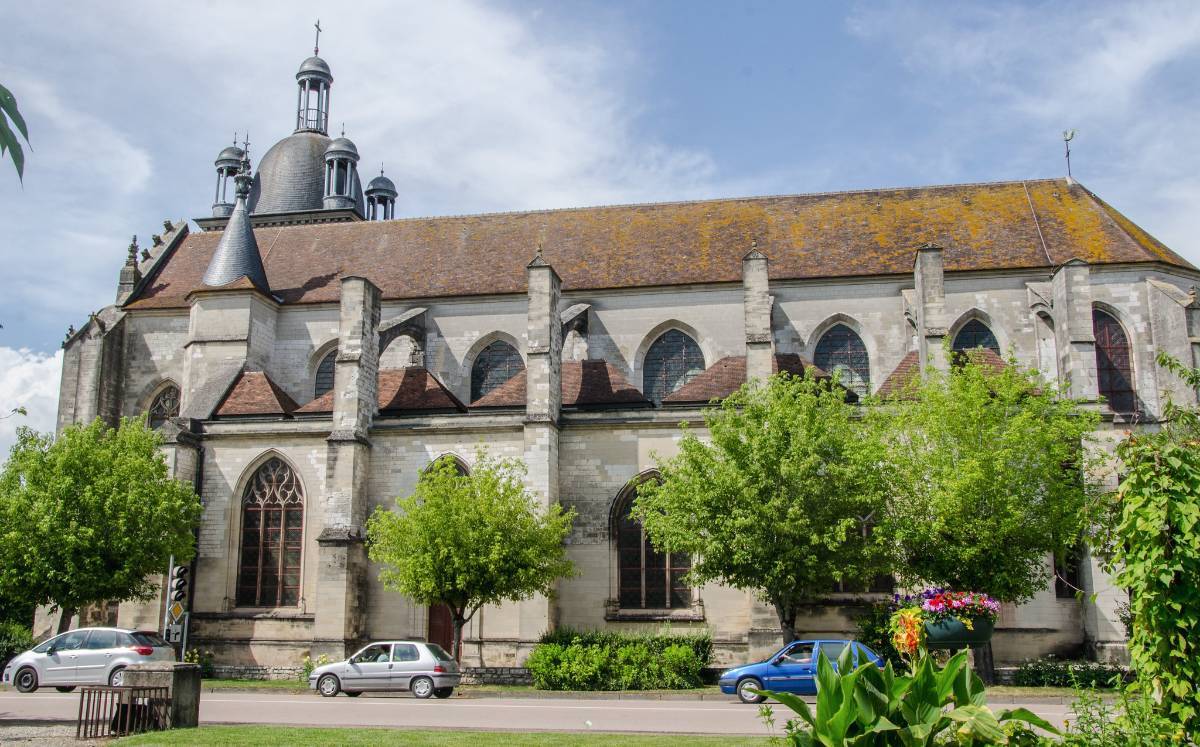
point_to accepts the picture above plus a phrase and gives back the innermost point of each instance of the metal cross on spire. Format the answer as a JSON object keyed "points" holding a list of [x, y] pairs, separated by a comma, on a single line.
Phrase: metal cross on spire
{"points": [[317, 43]]}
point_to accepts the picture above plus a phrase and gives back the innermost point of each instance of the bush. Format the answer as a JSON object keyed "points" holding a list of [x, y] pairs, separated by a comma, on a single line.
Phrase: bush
{"points": [[1052, 672], [204, 659], [571, 660], [1132, 721], [700, 643], [308, 664], [14, 638]]}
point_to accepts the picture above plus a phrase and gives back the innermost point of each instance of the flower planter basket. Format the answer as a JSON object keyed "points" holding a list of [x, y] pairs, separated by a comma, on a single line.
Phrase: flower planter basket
{"points": [[952, 634]]}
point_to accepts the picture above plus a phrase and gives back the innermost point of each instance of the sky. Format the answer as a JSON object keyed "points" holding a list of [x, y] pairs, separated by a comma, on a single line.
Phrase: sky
{"points": [[475, 106]]}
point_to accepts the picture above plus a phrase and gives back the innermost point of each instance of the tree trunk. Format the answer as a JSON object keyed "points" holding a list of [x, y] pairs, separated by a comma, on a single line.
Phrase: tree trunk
{"points": [[985, 666], [787, 622], [64, 621], [456, 644]]}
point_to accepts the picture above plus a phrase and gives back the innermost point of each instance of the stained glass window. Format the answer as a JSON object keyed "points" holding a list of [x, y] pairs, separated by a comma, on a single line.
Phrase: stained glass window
{"points": [[1114, 367], [165, 405], [975, 334], [495, 364], [325, 374], [842, 350], [272, 537], [648, 579], [672, 361]]}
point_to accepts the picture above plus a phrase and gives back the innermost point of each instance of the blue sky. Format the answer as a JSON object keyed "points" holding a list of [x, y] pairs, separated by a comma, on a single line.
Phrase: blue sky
{"points": [[478, 106]]}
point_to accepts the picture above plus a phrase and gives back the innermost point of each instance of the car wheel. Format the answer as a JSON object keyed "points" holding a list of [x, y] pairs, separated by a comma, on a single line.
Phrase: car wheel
{"points": [[443, 692], [65, 688], [116, 678], [26, 681], [353, 693], [328, 685], [422, 687], [744, 694]]}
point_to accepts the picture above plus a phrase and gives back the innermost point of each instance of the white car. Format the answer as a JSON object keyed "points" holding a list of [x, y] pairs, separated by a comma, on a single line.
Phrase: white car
{"points": [[87, 656], [425, 669]]}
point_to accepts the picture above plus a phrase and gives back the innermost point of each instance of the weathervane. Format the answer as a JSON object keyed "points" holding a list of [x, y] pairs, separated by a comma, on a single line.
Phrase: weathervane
{"points": [[1068, 135], [317, 43]]}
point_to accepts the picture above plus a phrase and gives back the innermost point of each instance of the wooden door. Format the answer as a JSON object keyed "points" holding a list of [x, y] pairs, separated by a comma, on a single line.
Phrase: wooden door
{"points": [[441, 626]]}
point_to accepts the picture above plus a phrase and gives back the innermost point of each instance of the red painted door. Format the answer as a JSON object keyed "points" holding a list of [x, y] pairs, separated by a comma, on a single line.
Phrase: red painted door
{"points": [[441, 626]]}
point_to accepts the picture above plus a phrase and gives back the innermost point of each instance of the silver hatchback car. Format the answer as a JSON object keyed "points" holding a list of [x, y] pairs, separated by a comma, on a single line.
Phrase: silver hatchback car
{"points": [[87, 656], [425, 669]]}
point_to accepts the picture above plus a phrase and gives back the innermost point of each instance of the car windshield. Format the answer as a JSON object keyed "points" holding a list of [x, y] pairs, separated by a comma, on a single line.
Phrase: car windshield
{"points": [[438, 652], [868, 652], [45, 645], [147, 638]]}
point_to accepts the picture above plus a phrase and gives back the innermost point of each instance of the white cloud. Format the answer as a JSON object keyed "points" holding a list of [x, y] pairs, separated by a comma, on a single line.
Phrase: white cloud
{"points": [[472, 106], [1121, 73], [28, 380]]}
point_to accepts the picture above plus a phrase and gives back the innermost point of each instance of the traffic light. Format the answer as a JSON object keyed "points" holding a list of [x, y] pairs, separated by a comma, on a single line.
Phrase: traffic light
{"points": [[177, 585]]}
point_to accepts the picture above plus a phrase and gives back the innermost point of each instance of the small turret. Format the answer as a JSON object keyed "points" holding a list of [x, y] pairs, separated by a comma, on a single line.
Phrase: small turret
{"points": [[237, 253], [381, 198], [228, 162], [312, 104], [341, 173]]}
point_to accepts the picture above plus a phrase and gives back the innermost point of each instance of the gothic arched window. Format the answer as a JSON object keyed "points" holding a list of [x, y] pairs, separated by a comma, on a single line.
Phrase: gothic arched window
{"points": [[495, 364], [672, 361], [165, 405], [841, 349], [975, 334], [325, 374], [1114, 366], [646, 578], [272, 537]]}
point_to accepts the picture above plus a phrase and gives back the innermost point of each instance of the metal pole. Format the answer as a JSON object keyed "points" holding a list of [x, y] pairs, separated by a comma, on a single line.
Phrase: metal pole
{"points": [[183, 648], [167, 596]]}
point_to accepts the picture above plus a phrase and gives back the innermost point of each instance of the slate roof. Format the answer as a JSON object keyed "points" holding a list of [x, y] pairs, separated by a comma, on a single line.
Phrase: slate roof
{"points": [[401, 390], [1005, 225], [723, 378], [584, 384], [908, 371], [253, 393]]}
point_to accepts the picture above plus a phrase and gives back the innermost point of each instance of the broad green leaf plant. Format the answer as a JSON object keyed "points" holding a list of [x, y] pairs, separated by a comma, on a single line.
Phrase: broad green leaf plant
{"points": [[10, 117], [868, 706], [470, 540], [777, 499]]}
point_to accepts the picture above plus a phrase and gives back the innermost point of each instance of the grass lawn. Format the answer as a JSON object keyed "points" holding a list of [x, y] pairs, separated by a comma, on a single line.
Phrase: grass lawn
{"points": [[272, 685], [275, 735]]}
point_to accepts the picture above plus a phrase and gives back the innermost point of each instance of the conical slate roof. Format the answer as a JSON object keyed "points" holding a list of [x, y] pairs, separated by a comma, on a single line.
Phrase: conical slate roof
{"points": [[237, 254]]}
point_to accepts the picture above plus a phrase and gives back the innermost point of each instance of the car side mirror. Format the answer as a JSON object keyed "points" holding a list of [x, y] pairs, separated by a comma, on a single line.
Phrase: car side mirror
{"points": [[778, 660], [50, 651]]}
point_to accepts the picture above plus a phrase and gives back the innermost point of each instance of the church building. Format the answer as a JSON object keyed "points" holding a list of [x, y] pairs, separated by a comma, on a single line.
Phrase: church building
{"points": [[307, 351]]}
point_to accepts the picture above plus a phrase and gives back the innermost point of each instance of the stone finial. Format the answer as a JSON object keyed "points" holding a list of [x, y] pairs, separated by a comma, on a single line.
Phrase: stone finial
{"points": [[133, 249], [156, 239], [145, 254], [168, 226]]}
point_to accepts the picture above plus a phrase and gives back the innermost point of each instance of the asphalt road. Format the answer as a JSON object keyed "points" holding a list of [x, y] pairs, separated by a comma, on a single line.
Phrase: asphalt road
{"points": [[515, 714]]}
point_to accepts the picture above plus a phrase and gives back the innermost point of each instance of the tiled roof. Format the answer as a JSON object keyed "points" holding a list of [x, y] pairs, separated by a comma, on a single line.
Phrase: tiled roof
{"points": [[723, 378], [1006, 225], [584, 384], [253, 393], [908, 372], [401, 390]]}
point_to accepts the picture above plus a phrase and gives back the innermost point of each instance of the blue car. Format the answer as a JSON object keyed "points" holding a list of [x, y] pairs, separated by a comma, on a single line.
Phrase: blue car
{"points": [[791, 669]]}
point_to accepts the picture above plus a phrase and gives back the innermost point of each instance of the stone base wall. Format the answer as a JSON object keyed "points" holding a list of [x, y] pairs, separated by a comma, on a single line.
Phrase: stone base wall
{"points": [[496, 676], [255, 672]]}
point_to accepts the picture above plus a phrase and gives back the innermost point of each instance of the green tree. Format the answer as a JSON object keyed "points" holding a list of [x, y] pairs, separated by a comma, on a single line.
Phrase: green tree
{"points": [[8, 138], [985, 472], [90, 516], [470, 540], [780, 498], [1155, 554]]}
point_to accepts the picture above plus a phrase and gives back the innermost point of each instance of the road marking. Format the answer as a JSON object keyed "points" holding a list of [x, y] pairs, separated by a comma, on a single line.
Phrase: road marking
{"points": [[414, 703]]}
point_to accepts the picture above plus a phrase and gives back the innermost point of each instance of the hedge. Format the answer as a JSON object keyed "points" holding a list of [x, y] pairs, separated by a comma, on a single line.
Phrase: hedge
{"points": [[14, 639], [1052, 672], [569, 659]]}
